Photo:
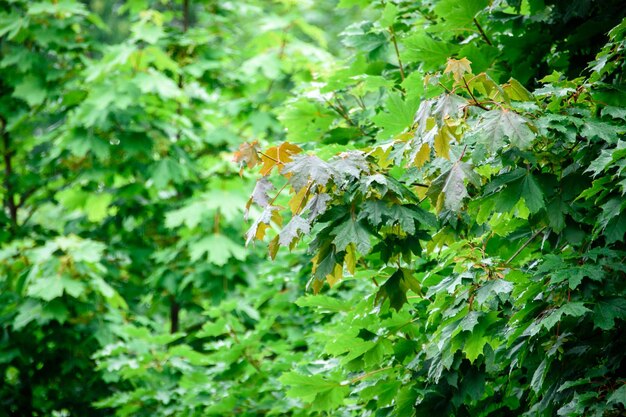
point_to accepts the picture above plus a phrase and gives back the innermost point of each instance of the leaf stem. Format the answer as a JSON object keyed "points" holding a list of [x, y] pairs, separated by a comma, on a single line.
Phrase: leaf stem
{"points": [[368, 374], [271, 203], [271, 159]]}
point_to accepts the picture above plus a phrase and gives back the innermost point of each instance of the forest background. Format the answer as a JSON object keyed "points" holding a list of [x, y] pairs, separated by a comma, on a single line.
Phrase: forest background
{"points": [[439, 185]]}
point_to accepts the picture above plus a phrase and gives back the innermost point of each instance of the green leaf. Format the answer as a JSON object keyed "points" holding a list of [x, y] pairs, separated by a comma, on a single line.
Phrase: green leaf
{"points": [[352, 231], [167, 170], [53, 287], [305, 121], [31, 89], [326, 395], [459, 14], [218, 249], [525, 187], [396, 287], [323, 303], [618, 396], [539, 376], [97, 206], [398, 116], [572, 309], [606, 311], [476, 340], [448, 190], [389, 15], [423, 49]]}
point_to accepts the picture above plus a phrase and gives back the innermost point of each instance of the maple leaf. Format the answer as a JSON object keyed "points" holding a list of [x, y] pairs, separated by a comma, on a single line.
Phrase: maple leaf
{"points": [[422, 115], [248, 154], [349, 164], [396, 287], [260, 225], [399, 115], [305, 168], [405, 216], [458, 67], [422, 155], [448, 190], [292, 230], [259, 194], [317, 205], [526, 187], [497, 125], [516, 91], [277, 156], [442, 141], [449, 105], [352, 231]]}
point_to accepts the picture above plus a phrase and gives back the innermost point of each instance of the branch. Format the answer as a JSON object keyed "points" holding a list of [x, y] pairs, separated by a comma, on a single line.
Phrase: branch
{"points": [[341, 110], [8, 174], [25, 195]]}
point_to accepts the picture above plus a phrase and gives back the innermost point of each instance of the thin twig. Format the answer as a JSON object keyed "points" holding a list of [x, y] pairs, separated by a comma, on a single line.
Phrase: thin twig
{"points": [[472, 95], [340, 110], [482, 32], [395, 46], [517, 252], [246, 355]]}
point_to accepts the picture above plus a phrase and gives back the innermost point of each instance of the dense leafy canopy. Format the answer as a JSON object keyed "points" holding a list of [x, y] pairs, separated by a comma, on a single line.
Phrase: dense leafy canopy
{"points": [[453, 170]]}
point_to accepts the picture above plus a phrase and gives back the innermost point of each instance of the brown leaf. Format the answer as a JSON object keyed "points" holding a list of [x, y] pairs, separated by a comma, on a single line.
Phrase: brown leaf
{"points": [[248, 154], [458, 67]]}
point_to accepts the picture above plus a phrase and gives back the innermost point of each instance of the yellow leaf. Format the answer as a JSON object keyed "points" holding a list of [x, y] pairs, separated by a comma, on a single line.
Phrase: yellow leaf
{"points": [[442, 142], [405, 136], [296, 203], [317, 285], [260, 231], [350, 259], [262, 227], [440, 202], [516, 91], [273, 247], [381, 153], [277, 156], [336, 276], [314, 262], [422, 156], [458, 67], [421, 192], [277, 218]]}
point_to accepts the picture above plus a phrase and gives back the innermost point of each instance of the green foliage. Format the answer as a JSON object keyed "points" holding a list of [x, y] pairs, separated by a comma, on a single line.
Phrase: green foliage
{"points": [[506, 302]]}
